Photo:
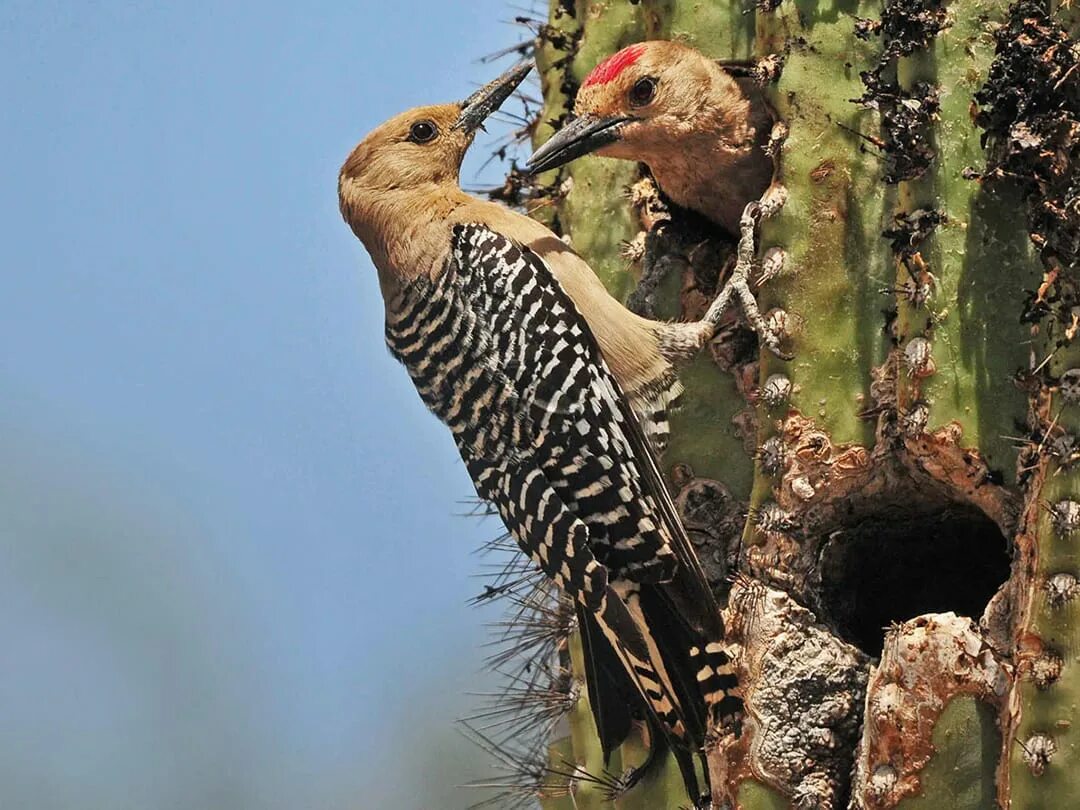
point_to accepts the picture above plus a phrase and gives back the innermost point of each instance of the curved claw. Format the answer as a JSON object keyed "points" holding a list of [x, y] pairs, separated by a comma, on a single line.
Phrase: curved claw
{"points": [[773, 345]]}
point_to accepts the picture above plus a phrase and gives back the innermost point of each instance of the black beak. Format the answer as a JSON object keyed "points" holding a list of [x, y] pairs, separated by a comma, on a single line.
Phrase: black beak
{"points": [[578, 137], [488, 98]]}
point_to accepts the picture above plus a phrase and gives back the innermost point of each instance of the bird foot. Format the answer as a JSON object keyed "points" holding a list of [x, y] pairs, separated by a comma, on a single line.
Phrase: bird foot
{"points": [[737, 287]]}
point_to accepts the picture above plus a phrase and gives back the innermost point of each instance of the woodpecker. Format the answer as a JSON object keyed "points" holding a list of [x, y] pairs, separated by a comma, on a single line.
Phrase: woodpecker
{"points": [[704, 136], [554, 394]]}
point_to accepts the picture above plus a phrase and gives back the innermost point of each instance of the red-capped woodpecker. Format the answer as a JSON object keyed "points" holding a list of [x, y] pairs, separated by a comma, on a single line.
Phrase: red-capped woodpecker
{"points": [[542, 378], [704, 138]]}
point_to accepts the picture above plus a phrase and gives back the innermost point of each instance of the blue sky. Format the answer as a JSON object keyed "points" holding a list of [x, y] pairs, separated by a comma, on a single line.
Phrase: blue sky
{"points": [[230, 570]]}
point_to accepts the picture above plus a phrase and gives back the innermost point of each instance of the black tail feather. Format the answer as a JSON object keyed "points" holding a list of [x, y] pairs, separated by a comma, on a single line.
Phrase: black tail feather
{"points": [[675, 638], [616, 703], [613, 698]]}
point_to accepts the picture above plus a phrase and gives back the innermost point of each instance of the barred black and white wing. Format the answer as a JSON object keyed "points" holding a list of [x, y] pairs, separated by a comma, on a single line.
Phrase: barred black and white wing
{"points": [[500, 353]]}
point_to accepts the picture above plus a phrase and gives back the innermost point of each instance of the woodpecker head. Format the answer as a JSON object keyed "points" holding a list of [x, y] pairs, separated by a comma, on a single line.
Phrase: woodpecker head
{"points": [[422, 148], [641, 101], [670, 106]]}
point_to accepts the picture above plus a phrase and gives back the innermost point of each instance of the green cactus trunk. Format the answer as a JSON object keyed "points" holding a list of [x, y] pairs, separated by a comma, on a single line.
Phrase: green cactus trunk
{"points": [[923, 471]]}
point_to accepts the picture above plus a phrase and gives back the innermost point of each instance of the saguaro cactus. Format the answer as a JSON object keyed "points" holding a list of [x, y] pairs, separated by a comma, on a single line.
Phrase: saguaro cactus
{"points": [[913, 467]]}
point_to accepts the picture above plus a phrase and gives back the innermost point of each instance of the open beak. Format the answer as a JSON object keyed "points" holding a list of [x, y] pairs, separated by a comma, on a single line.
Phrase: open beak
{"points": [[578, 137], [488, 98]]}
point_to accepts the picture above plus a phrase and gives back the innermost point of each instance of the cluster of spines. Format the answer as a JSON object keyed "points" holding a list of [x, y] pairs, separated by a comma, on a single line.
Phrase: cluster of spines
{"points": [[528, 652], [518, 189], [529, 705], [522, 774]]}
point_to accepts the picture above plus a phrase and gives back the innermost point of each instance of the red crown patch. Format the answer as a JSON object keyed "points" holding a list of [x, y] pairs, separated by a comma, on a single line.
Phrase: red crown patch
{"points": [[615, 64]]}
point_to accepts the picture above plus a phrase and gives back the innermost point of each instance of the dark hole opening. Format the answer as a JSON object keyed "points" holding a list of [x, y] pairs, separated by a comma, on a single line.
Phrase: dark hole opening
{"points": [[893, 567]]}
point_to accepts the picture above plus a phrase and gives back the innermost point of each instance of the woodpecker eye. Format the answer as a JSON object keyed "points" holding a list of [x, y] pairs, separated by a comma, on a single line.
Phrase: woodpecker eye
{"points": [[422, 132], [642, 92]]}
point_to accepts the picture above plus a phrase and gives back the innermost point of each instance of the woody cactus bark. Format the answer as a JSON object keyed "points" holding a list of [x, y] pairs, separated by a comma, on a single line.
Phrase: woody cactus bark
{"points": [[913, 467]]}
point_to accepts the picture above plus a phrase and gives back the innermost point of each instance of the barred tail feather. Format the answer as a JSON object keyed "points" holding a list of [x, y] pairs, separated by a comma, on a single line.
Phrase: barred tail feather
{"points": [[653, 407]]}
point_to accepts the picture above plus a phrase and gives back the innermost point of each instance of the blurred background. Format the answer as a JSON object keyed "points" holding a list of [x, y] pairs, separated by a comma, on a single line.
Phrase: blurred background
{"points": [[231, 570]]}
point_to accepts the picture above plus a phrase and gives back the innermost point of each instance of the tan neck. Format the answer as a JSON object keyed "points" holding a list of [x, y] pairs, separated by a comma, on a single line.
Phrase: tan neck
{"points": [[714, 182], [720, 166], [407, 232]]}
